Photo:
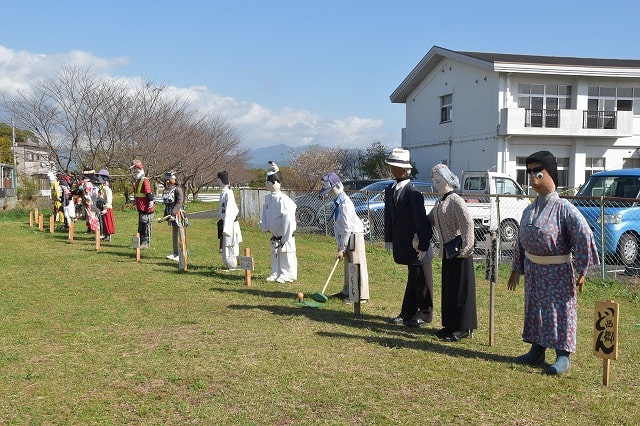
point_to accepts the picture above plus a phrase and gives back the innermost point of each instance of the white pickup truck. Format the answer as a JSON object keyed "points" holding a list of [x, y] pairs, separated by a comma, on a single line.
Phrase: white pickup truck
{"points": [[479, 189]]}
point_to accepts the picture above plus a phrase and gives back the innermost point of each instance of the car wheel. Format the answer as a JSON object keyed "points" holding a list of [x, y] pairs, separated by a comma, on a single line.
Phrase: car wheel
{"points": [[628, 249], [508, 231], [305, 216]]}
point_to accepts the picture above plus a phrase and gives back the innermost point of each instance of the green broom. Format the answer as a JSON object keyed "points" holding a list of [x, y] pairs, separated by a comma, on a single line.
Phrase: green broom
{"points": [[320, 297]]}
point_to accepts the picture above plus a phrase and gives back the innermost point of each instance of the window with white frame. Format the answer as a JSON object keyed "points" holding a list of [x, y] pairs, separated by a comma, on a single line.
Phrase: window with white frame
{"points": [[603, 98], [542, 102], [593, 165], [446, 108]]}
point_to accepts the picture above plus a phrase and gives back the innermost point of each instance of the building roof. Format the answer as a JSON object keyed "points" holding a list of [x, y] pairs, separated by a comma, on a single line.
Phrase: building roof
{"points": [[507, 62]]}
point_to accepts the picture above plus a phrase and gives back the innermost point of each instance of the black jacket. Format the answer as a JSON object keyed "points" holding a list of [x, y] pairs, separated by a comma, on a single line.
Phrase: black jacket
{"points": [[404, 218]]}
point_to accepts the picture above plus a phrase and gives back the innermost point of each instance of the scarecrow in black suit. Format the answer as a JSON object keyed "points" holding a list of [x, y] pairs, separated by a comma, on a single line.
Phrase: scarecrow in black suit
{"points": [[408, 232]]}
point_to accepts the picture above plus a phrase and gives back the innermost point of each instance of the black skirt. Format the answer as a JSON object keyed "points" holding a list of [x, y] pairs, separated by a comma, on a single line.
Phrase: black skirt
{"points": [[459, 294]]}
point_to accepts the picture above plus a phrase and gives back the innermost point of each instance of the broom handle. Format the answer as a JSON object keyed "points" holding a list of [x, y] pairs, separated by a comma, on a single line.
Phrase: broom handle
{"points": [[331, 274]]}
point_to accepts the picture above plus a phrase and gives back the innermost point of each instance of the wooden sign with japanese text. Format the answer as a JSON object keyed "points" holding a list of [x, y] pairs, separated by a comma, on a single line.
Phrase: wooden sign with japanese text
{"points": [[605, 330]]}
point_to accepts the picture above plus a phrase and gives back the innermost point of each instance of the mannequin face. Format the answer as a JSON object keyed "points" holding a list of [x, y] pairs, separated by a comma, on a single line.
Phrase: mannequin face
{"points": [[273, 186], [137, 173], [540, 179], [336, 190], [442, 186], [398, 172]]}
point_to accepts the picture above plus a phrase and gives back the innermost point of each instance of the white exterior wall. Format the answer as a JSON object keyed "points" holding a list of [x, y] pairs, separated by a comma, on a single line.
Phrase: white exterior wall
{"points": [[487, 129], [469, 140]]}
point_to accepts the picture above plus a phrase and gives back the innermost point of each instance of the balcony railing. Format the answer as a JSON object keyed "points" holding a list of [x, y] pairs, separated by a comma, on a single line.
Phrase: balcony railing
{"points": [[542, 118], [599, 120]]}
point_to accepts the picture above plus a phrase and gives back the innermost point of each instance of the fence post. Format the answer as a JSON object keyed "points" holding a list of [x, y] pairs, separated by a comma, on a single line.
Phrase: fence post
{"points": [[602, 258]]}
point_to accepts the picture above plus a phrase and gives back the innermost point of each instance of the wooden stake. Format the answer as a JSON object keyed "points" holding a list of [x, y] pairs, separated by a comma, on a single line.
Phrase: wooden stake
{"points": [[97, 239], [138, 247], [41, 222], [247, 272], [52, 221], [606, 366], [30, 219], [72, 225], [35, 214]]}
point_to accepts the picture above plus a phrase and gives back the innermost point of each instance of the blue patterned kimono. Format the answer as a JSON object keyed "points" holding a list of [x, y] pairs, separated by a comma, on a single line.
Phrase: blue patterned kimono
{"points": [[552, 226]]}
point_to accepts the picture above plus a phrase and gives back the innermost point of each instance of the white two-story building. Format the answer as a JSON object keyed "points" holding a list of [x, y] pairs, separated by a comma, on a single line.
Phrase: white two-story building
{"points": [[481, 111]]}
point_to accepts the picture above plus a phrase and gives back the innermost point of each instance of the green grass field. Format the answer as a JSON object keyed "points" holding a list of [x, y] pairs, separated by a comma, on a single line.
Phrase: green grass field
{"points": [[94, 337]]}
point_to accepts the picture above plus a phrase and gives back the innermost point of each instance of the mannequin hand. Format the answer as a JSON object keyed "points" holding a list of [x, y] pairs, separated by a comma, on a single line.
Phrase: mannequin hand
{"points": [[580, 282], [340, 255], [513, 280], [421, 255], [388, 246], [415, 242]]}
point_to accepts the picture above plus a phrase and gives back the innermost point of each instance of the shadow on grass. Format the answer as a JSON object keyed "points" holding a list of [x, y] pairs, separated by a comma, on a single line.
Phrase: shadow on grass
{"points": [[389, 335]]}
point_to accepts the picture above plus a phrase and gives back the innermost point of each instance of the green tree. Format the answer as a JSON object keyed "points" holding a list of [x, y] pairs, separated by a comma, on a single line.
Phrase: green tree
{"points": [[372, 161]]}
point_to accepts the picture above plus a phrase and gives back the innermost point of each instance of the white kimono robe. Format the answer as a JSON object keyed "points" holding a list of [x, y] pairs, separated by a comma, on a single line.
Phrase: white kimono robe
{"points": [[231, 234], [279, 218]]}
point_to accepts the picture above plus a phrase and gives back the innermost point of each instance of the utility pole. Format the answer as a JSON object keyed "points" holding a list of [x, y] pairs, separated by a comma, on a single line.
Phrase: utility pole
{"points": [[14, 151]]}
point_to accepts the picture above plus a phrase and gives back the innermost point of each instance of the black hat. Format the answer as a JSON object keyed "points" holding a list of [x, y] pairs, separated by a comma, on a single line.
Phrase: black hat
{"points": [[548, 161], [224, 177]]}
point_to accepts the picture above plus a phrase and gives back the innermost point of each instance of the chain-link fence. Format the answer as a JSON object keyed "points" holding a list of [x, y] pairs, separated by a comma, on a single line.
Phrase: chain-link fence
{"points": [[618, 245]]}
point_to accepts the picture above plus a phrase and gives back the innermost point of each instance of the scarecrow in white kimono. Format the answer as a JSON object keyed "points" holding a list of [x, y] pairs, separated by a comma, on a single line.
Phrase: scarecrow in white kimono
{"points": [[554, 245], [279, 218], [228, 227]]}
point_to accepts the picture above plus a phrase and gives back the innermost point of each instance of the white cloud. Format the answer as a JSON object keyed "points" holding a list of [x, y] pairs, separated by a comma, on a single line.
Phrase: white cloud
{"points": [[258, 125]]}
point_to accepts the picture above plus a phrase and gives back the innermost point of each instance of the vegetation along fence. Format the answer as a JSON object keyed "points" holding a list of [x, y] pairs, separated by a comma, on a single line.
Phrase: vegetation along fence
{"points": [[614, 221]]}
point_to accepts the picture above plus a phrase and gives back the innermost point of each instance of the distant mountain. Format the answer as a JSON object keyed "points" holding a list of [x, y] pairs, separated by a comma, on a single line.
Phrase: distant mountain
{"points": [[279, 153]]}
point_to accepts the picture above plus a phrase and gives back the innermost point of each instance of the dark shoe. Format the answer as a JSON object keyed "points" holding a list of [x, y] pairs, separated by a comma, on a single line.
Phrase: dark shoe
{"points": [[340, 295], [415, 323], [535, 355], [456, 336], [397, 320], [442, 332]]}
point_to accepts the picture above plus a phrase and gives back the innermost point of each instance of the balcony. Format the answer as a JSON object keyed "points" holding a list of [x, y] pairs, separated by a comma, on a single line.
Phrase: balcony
{"points": [[566, 122]]}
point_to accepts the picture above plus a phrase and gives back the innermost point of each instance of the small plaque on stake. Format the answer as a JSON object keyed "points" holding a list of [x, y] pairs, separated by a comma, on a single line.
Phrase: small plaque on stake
{"points": [[246, 263], [135, 242]]}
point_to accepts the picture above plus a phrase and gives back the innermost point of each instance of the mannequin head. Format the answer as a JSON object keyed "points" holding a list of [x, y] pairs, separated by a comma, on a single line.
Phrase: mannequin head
{"points": [[399, 163], [137, 171], [443, 179], [331, 184], [170, 179], [542, 169], [274, 179], [540, 179], [273, 186], [222, 179]]}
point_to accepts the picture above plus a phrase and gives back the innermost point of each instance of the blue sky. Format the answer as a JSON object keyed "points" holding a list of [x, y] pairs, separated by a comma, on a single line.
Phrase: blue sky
{"points": [[297, 72]]}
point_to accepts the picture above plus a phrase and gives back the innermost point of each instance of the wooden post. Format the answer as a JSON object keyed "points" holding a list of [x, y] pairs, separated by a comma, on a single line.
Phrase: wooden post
{"points": [[605, 335], [491, 274], [30, 219], [52, 222], [247, 272], [97, 232], [35, 214], [182, 254], [136, 245], [41, 222], [72, 224], [353, 277]]}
